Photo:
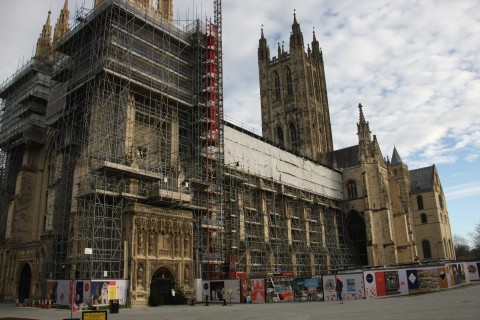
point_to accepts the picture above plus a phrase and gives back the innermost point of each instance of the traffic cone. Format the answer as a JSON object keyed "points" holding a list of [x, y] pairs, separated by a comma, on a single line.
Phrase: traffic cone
{"points": [[75, 308]]}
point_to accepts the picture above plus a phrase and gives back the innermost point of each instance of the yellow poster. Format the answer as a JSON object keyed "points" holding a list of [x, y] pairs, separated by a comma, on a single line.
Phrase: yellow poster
{"points": [[112, 290], [94, 315]]}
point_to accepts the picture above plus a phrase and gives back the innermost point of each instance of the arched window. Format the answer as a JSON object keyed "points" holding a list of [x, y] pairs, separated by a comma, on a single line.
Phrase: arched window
{"points": [[280, 139], [440, 201], [420, 202], [424, 218], [289, 82], [277, 85], [427, 253], [293, 136], [352, 189]]}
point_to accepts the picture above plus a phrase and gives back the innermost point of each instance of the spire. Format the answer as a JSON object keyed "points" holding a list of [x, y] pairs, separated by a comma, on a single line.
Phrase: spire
{"points": [[316, 47], [62, 26], [396, 157], [363, 129], [44, 43], [263, 51], [296, 37], [362, 117]]}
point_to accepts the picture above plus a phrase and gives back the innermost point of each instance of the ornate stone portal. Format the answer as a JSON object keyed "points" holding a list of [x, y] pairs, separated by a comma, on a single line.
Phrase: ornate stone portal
{"points": [[158, 238]]}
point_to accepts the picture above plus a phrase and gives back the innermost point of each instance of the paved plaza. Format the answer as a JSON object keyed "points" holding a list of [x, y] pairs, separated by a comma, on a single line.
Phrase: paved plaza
{"points": [[458, 303]]}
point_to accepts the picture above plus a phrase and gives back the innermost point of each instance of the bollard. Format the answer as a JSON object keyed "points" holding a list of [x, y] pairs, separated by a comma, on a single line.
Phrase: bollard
{"points": [[206, 299], [224, 302]]}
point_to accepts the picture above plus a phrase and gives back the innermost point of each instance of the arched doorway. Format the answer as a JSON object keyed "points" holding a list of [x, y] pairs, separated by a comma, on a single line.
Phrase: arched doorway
{"points": [[162, 284], [357, 233], [24, 283]]}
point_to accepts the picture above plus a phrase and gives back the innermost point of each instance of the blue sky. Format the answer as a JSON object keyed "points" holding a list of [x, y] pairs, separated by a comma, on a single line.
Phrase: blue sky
{"points": [[414, 66]]}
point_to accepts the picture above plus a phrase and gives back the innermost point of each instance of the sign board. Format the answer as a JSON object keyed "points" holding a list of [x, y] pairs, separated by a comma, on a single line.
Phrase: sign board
{"points": [[94, 315]]}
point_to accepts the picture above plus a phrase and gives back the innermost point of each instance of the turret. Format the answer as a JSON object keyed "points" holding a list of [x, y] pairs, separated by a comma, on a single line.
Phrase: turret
{"points": [[363, 132], [263, 51], [316, 52], [363, 128], [62, 26], [44, 42], [296, 37]]}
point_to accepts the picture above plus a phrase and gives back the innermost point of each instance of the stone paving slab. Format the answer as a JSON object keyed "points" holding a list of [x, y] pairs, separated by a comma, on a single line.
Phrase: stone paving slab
{"points": [[460, 303]]}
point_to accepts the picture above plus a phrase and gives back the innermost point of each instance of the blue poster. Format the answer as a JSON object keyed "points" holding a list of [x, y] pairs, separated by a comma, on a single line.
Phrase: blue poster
{"points": [[412, 279], [79, 292], [311, 283], [350, 285]]}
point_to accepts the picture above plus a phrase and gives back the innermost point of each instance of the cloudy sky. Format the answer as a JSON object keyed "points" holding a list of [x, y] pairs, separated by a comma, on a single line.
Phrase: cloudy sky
{"points": [[414, 66]]}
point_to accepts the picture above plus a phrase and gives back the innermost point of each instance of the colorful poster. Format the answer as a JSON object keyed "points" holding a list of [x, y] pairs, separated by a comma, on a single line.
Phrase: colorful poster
{"points": [[350, 285], [64, 296], [257, 290], [78, 292], [370, 286], [51, 291], [308, 289], [329, 288], [392, 283], [112, 290], [442, 277], [99, 292], [380, 284], [473, 271], [412, 278]]}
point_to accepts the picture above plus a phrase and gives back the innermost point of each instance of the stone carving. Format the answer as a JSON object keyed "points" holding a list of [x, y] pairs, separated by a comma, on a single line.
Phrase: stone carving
{"points": [[140, 243], [140, 276]]}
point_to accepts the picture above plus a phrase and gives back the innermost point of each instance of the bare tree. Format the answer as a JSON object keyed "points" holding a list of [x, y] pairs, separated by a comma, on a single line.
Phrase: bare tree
{"points": [[475, 235], [462, 249]]}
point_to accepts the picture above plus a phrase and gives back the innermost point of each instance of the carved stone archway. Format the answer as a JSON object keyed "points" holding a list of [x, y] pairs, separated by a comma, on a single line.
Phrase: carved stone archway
{"points": [[163, 281], [357, 233], [24, 283]]}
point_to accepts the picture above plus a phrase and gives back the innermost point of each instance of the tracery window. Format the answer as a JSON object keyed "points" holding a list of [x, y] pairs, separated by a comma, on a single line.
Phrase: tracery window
{"points": [[289, 82], [427, 253], [420, 202], [352, 189], [280, 138], [277, 85]]}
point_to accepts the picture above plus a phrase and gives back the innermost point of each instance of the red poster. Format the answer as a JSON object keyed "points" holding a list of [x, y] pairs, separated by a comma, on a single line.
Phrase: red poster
{"points": [[380, 282], [258, 290]]}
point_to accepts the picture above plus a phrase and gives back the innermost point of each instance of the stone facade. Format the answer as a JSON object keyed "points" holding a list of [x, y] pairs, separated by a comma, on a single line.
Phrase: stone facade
{"points": [[122, 170], [158, 238]]}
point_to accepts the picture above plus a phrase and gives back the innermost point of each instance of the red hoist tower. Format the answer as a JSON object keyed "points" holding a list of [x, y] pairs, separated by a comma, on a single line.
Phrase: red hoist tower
{"points": [[215, 255]]}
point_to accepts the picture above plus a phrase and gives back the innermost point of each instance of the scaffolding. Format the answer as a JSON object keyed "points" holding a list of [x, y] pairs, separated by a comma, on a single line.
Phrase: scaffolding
{"points": [[131, 111], [276, 228], [124, 117]]}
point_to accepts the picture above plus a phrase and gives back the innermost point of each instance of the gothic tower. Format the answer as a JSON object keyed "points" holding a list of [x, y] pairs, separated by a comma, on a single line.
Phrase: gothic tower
{"points": [[293, 93]]}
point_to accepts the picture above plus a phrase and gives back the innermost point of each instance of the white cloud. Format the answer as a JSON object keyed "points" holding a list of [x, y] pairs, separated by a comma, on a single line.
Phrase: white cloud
{"points": [[463, 190], [412, 64]]}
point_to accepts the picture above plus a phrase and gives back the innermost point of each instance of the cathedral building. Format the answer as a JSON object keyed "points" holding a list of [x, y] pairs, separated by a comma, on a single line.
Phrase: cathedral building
{"points": [[117, 164]]}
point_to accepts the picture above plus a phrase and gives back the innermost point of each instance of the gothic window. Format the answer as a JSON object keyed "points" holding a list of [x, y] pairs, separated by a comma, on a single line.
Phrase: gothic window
{"points": [[352, 189], [420, 202], [293, 136], [277, 85], [423, 217], [289, 82], [440, 201], [427, 253], [280, 138]]}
